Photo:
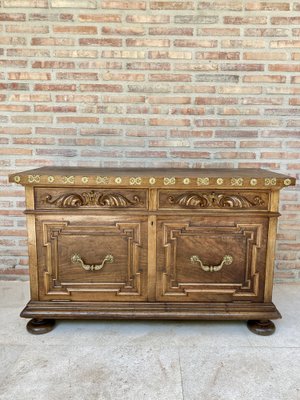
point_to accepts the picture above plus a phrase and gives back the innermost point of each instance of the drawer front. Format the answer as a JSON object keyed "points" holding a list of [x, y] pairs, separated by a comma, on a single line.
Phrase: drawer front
{"points": [[213, 199], [85, 198], [211, 259], [96, 258]]}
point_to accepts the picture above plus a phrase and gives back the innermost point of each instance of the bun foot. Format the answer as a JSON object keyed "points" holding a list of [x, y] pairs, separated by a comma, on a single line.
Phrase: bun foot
{"points": [[264, 327], [40, 326]]}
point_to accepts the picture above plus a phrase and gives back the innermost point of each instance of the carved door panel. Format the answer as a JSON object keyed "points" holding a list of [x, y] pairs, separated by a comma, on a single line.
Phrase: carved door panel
{"points": [[211, 259], [92, 258]]}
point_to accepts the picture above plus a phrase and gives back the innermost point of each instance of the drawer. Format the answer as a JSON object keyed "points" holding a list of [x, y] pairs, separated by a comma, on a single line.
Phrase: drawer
{"points": [[213, 199], [90, 198], [211, 259], [99, 258]]}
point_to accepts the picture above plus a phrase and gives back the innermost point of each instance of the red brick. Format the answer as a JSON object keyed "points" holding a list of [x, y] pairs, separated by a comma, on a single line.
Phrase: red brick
{"points": [[148, 42], [124, 99], [83, 30], [171, 31], [33, 98], [148, 19], [100, 88], [55, 131], [13, 63], [55, 109], [266, 6], [148, 66], [195, 43], [55, 41], [215, 100], [12, 17], [100, 42], [123, 5], [170, 77], [57, 152], [217, 55], [53, 87], [26, 29], [14, 107], [171, 5], [15, 151], [124, 31], [25, 3], [78, 120], [221, 5], [33, 141], [169, 122], [186, 55], [50, 17], [32, 119], [124, 120], [190, 154], [267, 32], [77, 76], [76, 53], [16, 130], [264, 78], [53, 64], [12, 41], [71, 4], [123, 77], [36, 76], [99, 18], [246, 20], [28, 53], [218, 32], [285, 20]]}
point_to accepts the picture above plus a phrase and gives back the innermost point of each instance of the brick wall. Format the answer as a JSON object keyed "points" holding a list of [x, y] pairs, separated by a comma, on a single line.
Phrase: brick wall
{"points": [[145, 82]]}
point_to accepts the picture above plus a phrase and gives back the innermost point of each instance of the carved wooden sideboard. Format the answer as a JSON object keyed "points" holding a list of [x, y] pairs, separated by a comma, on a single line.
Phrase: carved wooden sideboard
{"points": [[151, 243]]}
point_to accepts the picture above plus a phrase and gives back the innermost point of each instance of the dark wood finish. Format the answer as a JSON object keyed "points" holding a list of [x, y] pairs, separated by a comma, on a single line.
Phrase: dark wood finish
{"points": [[59, 238], [262, 327], [211, 238], [40, 326], [151, 244]]}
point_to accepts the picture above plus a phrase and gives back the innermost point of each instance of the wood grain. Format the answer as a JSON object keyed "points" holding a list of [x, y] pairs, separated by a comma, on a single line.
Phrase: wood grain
{"points": [[151, 225]]}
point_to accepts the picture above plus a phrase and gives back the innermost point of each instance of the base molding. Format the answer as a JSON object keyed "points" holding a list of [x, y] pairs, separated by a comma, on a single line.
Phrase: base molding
{"points": [[147, 310]]}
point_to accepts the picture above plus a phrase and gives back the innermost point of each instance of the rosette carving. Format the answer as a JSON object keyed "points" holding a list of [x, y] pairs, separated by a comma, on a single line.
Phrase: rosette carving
{"points": [[214, 200], [92, 199]]}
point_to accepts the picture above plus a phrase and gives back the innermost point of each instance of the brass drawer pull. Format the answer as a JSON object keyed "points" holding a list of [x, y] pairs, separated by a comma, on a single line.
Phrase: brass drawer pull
{"points": [[76, 259], [227, 260]]}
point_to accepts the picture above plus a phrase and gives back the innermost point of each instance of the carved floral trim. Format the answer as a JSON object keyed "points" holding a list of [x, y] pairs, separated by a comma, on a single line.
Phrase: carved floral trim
{"points": [[92, 198], [214, 200]]}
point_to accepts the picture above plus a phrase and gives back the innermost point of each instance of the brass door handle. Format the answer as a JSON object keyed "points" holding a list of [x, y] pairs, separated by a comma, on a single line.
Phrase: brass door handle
{"points": [[227, 260], [76, 259]]}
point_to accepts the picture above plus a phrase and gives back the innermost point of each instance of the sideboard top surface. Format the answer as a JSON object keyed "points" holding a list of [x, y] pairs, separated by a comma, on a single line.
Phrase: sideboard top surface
{"points": [[153, 177]]}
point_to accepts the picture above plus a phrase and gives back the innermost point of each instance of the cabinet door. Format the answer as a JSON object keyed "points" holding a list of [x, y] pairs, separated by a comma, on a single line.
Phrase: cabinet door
{"points": [[211, 258], [92, 258]]}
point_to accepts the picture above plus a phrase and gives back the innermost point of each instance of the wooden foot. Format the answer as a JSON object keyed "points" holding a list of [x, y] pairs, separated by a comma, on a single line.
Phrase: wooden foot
{"points": [[40, 326], [264, 327]]}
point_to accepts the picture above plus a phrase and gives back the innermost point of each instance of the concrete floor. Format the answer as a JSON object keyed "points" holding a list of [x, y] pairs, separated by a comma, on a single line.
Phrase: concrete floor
{"points": [[97, 360]]}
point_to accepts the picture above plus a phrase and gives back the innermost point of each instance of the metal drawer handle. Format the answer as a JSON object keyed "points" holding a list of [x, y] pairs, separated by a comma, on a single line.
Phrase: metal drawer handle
{"points": [[227, 260], [76, 259]]}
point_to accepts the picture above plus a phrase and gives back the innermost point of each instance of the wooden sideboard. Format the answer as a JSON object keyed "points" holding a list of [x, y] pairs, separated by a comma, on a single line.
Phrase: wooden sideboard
{"points": [[151, 244]]}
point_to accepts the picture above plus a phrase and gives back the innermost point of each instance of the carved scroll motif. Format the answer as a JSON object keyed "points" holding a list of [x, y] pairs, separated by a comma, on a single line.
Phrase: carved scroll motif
{"points": [[214, 200], [92, 198]]}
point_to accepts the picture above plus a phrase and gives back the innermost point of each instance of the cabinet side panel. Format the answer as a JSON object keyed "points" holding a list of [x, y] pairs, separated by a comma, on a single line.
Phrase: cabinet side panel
{"points": [[32, 251]]}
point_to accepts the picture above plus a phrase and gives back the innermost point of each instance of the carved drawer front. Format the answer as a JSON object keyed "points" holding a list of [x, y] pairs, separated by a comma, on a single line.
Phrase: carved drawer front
{"points": [[92, 258], [85, 198], [213, 200], [211, 259]]}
